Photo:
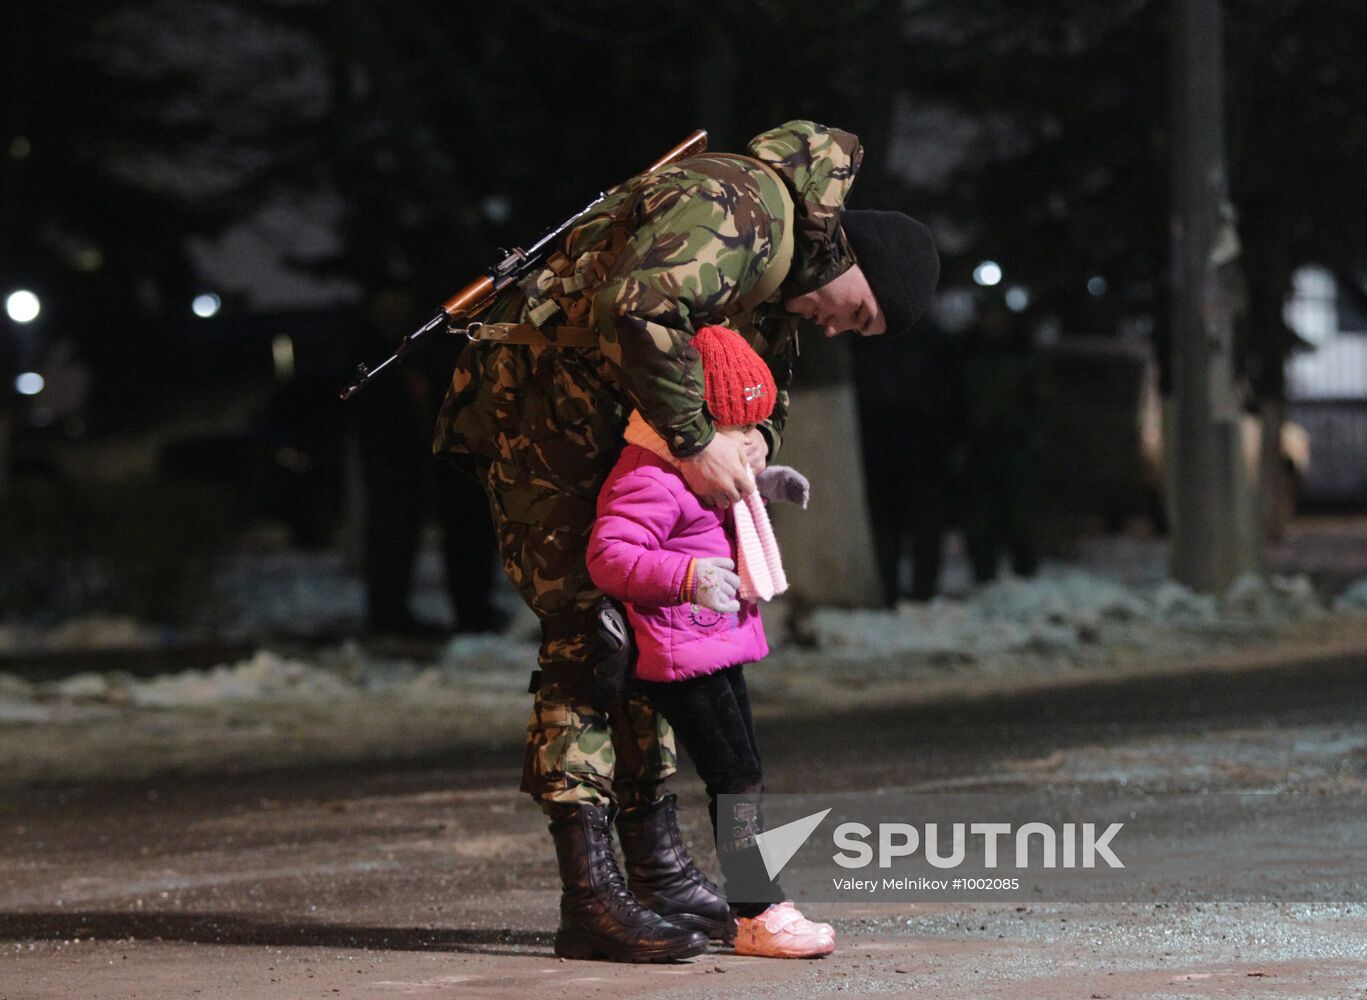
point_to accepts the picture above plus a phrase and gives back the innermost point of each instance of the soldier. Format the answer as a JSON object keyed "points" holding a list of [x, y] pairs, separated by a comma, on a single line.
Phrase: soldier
{"points": [[755, 243], [1007, 392]]}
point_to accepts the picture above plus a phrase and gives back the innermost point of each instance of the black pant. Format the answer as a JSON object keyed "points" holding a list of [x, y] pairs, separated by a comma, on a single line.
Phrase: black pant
{"points": [[903, 501], [710, 716], [403, 486]]}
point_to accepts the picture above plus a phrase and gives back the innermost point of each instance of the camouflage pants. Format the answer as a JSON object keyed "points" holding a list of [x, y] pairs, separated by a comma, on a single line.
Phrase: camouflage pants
{"points": [[575, 753]]}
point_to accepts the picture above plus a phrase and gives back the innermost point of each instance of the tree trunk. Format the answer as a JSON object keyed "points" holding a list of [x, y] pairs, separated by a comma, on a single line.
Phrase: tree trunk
{"points": [[1214, 533], [828, 552]]}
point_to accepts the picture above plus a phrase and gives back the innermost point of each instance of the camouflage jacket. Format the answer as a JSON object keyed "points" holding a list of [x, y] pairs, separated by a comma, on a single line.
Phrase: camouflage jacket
{"points": [[700, 234]]}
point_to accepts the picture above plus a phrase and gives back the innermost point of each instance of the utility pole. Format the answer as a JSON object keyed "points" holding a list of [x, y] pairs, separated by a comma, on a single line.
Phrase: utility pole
{"points": [[1214, 524]]}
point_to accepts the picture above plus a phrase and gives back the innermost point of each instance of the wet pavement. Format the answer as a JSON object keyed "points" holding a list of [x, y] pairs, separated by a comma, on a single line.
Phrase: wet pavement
{"points": [[433, 877]]}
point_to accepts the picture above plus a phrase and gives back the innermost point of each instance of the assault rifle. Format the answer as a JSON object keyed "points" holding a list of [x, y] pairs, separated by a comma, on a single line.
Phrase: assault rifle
{"points": [[516, 264]]}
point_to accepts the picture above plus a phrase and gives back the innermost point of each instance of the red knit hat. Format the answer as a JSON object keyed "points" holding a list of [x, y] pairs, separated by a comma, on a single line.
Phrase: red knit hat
{"points": [[737, 384]]}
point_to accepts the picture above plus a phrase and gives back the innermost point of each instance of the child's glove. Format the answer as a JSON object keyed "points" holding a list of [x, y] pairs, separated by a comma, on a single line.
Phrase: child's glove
{"points": [[779, 482], [712, 584]]}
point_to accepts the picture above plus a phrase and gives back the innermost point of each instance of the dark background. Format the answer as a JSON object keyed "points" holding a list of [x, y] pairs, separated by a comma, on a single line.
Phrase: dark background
{"points": [[301, 159]]}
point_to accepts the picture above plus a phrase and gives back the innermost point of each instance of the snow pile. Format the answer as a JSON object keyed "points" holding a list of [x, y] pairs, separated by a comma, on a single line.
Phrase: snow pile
{"points": [[88, 686], [487, 662], [497, 662], [22, 701], [288, 593], [1275, 597], [1072, 598], [493, 663], [1065, 613], [17, 701], [1354, 598], [265, 677], [89, 633], [1175, 603], [1060, 611]]}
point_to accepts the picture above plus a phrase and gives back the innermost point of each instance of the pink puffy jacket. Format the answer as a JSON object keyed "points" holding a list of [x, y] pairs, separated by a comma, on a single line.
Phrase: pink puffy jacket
{"points": [[649, 527]]}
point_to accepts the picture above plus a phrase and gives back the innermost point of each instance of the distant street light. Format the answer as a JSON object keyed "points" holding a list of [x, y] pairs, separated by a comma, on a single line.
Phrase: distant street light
{"points": [[282, 352], [23, 306], [29, 384], [496, 208], [206, 305], [1017, 299], [988, 273], [1096, 286]]}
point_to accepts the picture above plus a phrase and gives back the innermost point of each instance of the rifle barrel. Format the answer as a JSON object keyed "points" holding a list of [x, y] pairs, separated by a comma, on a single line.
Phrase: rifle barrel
{"points": [[366, 374]]}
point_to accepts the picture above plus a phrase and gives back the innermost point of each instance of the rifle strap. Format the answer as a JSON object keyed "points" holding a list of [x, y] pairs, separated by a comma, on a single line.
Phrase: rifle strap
{"points": [[536, 336]]}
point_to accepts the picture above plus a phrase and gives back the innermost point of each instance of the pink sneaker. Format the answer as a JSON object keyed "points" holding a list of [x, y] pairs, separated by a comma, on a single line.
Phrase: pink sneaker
{"points": [[783, 932]]}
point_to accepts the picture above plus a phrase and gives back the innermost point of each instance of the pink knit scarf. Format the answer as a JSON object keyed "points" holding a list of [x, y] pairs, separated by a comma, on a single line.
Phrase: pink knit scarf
{"points": [[758, 563]]}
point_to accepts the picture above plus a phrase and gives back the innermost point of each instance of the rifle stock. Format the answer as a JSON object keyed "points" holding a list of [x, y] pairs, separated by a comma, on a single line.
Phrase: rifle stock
{"points": [[479, 295]]}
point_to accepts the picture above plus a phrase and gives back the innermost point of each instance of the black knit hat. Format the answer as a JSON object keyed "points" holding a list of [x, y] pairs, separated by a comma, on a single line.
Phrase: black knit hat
{"points": [[897, 255]]}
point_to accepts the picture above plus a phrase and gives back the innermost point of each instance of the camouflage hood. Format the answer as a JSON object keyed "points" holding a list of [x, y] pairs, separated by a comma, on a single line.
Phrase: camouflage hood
{"points": [[819, 165]]}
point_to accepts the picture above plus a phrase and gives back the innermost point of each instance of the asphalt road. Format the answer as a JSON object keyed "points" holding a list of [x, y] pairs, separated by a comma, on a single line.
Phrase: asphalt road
{"points": [[434, 878]]}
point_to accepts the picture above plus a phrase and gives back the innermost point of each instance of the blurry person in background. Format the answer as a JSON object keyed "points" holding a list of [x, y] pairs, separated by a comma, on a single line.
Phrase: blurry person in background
{"points": [[1004, 443], [405, 487], [910, 394]]}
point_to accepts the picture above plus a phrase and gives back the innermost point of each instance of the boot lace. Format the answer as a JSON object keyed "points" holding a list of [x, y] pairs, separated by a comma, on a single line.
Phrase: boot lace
{"points": [[690, 868], [610, 877]]}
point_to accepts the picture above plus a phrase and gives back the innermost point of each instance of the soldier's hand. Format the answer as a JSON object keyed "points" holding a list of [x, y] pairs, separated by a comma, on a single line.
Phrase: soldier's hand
{"points": [[756, 450], [753, 443], [715, 585], [719, 474]]}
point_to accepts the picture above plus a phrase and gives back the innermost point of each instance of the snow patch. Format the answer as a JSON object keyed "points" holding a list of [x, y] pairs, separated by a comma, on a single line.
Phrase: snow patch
{"points": [[80, 687], [16, 701], [1354, 598], [468, 663], [1063, 610], [91, 633], [1175, 603], [1281, 597], [265, 677]]}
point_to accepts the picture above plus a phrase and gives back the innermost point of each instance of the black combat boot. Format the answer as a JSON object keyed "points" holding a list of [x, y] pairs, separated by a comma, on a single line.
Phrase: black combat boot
{"points": [[599, 917], [662, 875]]}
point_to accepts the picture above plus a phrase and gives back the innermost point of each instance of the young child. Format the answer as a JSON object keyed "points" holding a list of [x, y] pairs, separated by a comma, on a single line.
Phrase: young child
{"points": [[691, 577]]}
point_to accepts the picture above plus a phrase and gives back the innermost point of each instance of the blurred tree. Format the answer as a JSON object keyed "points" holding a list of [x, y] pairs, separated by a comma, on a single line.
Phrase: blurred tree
{"points": [[129, 129], [1062, 174], [430, 134], [446, 134], [1065, 177], [1214, 532]]}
